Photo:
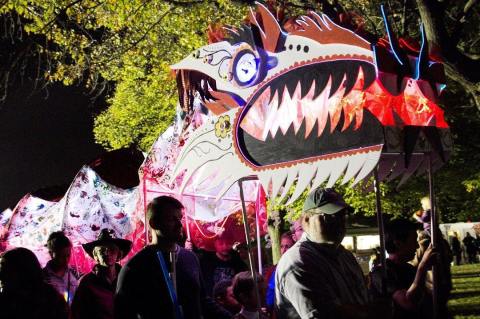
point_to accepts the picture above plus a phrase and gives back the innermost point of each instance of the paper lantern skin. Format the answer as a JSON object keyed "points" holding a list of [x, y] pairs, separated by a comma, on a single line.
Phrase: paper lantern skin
{"points": [[304, 103]]}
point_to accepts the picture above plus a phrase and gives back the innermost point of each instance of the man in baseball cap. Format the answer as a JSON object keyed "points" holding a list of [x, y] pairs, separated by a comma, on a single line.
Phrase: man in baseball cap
{"points": [[318, 277]]}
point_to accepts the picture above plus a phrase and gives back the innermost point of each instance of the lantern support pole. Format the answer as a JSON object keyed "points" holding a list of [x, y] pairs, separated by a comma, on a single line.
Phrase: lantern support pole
{"points": [[248, 239], [145, 221], [381, 228], [434, 233], [257, 230]]}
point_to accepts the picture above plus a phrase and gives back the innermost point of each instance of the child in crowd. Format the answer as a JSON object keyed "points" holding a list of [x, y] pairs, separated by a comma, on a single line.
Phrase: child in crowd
{"points": [[223, 295], [244, 292]]}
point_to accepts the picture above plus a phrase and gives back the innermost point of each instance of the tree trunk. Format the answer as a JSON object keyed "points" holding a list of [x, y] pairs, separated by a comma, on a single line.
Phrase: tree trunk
{"points": [[458, 66], [274, 230]]}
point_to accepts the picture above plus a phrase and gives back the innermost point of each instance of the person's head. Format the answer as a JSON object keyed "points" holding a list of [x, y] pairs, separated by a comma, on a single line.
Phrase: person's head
{"points": [[106, 250], [244, 289], [60, 249], [20, 271], [223, 246], [286, 241], [223, 294], [241, 249], [164, 215], [324, 213], [401, 239], [425, 201], [297, 230], [106, 254]]}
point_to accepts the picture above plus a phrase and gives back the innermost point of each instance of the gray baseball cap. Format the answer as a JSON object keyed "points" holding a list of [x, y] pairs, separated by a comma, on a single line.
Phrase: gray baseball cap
{"points": [[325, 200]]}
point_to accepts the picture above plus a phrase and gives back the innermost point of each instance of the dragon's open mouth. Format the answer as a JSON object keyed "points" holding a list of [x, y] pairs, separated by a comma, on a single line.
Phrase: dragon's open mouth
{"points": [[316, 110]]}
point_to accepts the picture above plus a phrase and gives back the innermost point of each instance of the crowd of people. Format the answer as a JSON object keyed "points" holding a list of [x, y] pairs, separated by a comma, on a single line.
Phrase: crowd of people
{"points": [[469, 251], [316, 276]]}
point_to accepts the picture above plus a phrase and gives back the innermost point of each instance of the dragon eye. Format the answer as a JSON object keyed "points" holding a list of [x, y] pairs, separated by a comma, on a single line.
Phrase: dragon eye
{"points": [[245, 67]]}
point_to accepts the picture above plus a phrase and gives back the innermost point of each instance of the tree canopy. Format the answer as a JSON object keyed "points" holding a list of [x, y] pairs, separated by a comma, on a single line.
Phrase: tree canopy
{"points": [[121, 50]]}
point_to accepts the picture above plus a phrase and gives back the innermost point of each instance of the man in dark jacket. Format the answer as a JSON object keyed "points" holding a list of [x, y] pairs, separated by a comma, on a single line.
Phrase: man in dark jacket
{"points": [[94, 296], [163, 280]]}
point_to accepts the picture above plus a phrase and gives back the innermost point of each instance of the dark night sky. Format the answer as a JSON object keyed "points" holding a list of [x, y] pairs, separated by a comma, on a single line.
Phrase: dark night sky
{"points": [[43, 142]]}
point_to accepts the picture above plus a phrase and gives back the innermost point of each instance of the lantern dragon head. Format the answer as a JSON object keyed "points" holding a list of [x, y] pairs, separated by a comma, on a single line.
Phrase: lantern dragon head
{"points": [[306, 102]]}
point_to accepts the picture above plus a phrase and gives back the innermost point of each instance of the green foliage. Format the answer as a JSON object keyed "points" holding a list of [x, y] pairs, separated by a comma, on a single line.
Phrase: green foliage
{"points": [[137, 114], [129, 43], [293, 210]]}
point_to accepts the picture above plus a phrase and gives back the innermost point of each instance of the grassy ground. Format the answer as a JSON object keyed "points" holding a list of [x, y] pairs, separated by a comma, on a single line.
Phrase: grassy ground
{"points": [[465, 299]]}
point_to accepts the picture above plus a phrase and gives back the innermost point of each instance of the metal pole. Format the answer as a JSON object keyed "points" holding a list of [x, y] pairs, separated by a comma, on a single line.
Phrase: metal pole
{"points": [[187, 226], [259, 248], [257, 229], [381, 228], [246, 227], [434, 234], [145, 221], [173, 274]]}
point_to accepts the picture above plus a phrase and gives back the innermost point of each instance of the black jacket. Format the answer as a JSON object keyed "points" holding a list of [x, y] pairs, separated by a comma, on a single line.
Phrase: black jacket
{"points": [[143, 293]]}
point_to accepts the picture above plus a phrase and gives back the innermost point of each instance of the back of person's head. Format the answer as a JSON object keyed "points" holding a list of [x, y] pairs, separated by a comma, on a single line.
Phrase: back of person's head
{"points": [[398, 230], [223, 294], [223, 245], [20, 270], [244, 288], [57, 241], [160, 205]]}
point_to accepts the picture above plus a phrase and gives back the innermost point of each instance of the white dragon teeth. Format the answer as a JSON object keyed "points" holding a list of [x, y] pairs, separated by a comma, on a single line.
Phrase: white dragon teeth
{"points": [[267, 116], [369, 164], [277, 181], [340, 166], [292, 176], [316, 173], [354, 166], [305, 176]]}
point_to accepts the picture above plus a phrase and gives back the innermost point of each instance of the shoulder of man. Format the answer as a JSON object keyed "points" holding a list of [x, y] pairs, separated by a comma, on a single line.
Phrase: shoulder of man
{"points": [[187, 255], [86, 277], [143, 256], [47, 269], [295, 258]]}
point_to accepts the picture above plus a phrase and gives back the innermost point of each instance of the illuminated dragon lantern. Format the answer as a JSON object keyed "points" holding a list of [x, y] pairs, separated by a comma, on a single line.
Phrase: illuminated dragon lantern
{"points": [[307, 103]]}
